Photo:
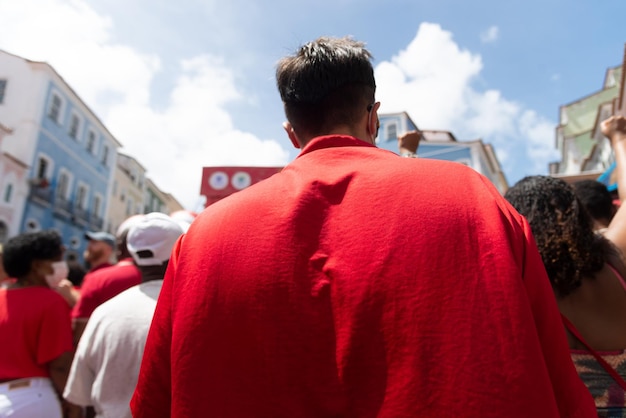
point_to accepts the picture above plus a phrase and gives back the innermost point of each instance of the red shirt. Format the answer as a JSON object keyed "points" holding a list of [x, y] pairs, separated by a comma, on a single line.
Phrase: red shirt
{"points": [[102, 284], [356, 283], [35, 328]]}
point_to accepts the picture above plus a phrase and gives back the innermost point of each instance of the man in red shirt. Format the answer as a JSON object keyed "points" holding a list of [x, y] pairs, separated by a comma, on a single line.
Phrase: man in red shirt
{"points": [[100, 249], [356, 283], [102, 284]]}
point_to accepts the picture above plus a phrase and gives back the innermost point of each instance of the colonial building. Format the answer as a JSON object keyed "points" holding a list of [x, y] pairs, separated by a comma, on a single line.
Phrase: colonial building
{"points": [[69, 154], [59, 163], [585, 152], [442, 145], [157, 200], [128, 192], [12, 173]]}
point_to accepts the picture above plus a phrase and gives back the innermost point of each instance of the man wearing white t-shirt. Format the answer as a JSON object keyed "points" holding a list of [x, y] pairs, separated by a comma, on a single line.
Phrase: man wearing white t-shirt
{"points": [[106, 365]]}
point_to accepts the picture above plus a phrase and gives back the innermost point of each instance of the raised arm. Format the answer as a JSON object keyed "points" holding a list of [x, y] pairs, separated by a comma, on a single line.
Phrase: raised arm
{"points": [[408, 143], [614, 128]]}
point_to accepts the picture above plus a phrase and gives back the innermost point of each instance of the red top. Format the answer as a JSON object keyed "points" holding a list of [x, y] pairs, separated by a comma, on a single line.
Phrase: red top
{"points": [[356, 283], [35, 328], [100, 266], [102, 284]]}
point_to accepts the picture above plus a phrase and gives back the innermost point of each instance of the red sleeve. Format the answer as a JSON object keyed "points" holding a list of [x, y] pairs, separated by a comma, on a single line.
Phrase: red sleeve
{"points": [[152, 397], [86, 303], [572, 396], [55, 331]]}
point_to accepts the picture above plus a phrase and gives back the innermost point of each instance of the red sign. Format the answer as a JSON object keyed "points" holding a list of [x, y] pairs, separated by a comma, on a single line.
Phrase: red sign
{"points": [[219, 182]]}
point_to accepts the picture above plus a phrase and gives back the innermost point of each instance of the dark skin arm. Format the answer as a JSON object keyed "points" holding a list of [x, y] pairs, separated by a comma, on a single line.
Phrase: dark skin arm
{"points": [[78, 327], [59, 368], [614, 128]]}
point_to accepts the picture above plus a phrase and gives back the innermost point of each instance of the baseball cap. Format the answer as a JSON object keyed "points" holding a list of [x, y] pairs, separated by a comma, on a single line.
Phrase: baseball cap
{"points": [[150, 241], [101, 236], [128, 222]]}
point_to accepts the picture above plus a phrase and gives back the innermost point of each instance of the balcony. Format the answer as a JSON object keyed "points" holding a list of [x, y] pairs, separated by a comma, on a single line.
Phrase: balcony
{"points": [[62, 207], [81, 216], [96, 223], [42, 195]]}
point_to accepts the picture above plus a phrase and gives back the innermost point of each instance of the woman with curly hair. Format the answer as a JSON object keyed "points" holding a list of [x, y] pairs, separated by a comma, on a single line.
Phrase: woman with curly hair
{"points": [[587, 272], [35, 328]]}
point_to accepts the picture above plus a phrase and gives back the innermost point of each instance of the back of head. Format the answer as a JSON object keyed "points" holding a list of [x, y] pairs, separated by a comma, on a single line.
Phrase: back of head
{"points": [[562, 228], [20, 251], [150, 241], [327, 83], [596, 198], [122, 233]]}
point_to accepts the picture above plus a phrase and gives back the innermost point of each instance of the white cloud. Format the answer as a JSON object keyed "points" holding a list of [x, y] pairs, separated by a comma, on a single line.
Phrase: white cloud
{"points": [[432, 80], [194, 129], [490, 35]]}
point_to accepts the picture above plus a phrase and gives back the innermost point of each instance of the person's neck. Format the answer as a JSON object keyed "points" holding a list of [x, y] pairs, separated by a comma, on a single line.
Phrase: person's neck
{"points": [[342, 130], [99, 263], [152, 273]]}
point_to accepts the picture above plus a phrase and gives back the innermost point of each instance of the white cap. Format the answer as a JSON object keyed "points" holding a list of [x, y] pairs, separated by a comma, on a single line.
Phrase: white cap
{"points": [[128, 222], [150, 241]]}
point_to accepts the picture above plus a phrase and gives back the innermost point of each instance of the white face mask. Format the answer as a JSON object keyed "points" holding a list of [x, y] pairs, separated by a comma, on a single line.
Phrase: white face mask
{"points": [[60, 272]]}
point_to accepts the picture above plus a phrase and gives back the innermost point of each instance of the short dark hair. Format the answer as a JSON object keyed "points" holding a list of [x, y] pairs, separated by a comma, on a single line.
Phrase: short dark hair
{"points": [[596, 198], [21, 250], [563, 230], [328, 82]]}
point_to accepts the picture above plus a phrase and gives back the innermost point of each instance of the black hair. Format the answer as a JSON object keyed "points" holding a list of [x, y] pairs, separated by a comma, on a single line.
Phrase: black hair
{"points": [[563, 230], [20, 251], [596, 198], [327, 83]]}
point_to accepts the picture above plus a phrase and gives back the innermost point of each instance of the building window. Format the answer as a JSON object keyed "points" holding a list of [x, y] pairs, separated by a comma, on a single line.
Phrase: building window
{"points": [[8, 193], [54, 111], [63, 184], [81, 196], [114, 192], [392, 132], [105, 155], [44, 167], [3, 89], [129, 207], [91, 141], [74, 126], [97, 205]]}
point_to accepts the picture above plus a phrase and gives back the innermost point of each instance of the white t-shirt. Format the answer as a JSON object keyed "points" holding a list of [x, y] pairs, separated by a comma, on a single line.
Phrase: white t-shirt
{"points": [[106, 365]]}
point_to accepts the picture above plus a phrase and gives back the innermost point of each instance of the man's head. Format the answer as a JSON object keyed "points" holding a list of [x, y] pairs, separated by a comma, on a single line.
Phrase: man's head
{"points": [[598, 201], [121, 236], [328, 87], [100, 248], [150, 242]]}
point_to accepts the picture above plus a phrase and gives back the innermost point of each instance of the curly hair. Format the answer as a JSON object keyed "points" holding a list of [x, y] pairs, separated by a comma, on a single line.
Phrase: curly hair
{"points": [[563, 230], [21, 250]]}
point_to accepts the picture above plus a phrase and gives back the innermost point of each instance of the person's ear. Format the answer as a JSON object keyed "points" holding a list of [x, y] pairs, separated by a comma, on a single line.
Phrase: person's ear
{"points": [[291, 134], [373, 122]]}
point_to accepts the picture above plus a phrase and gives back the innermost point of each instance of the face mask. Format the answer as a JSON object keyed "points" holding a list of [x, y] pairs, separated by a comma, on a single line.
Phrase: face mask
{"points": [[60, 272]]}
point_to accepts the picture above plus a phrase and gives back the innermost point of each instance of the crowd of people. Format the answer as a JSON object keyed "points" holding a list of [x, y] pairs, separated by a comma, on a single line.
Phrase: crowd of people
{"points": [[354, 283]]}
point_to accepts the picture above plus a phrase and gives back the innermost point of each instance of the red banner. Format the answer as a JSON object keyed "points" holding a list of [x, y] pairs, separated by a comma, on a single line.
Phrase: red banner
{"points": [[219, 182]]}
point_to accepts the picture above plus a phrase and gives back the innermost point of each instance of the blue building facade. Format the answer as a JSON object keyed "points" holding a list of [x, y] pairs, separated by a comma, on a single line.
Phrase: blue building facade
{"points": [[71, 171], [442, 145]]}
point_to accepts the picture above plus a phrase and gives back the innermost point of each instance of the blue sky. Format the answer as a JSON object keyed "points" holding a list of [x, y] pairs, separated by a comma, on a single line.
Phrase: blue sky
{"points": [[194, 79]]}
